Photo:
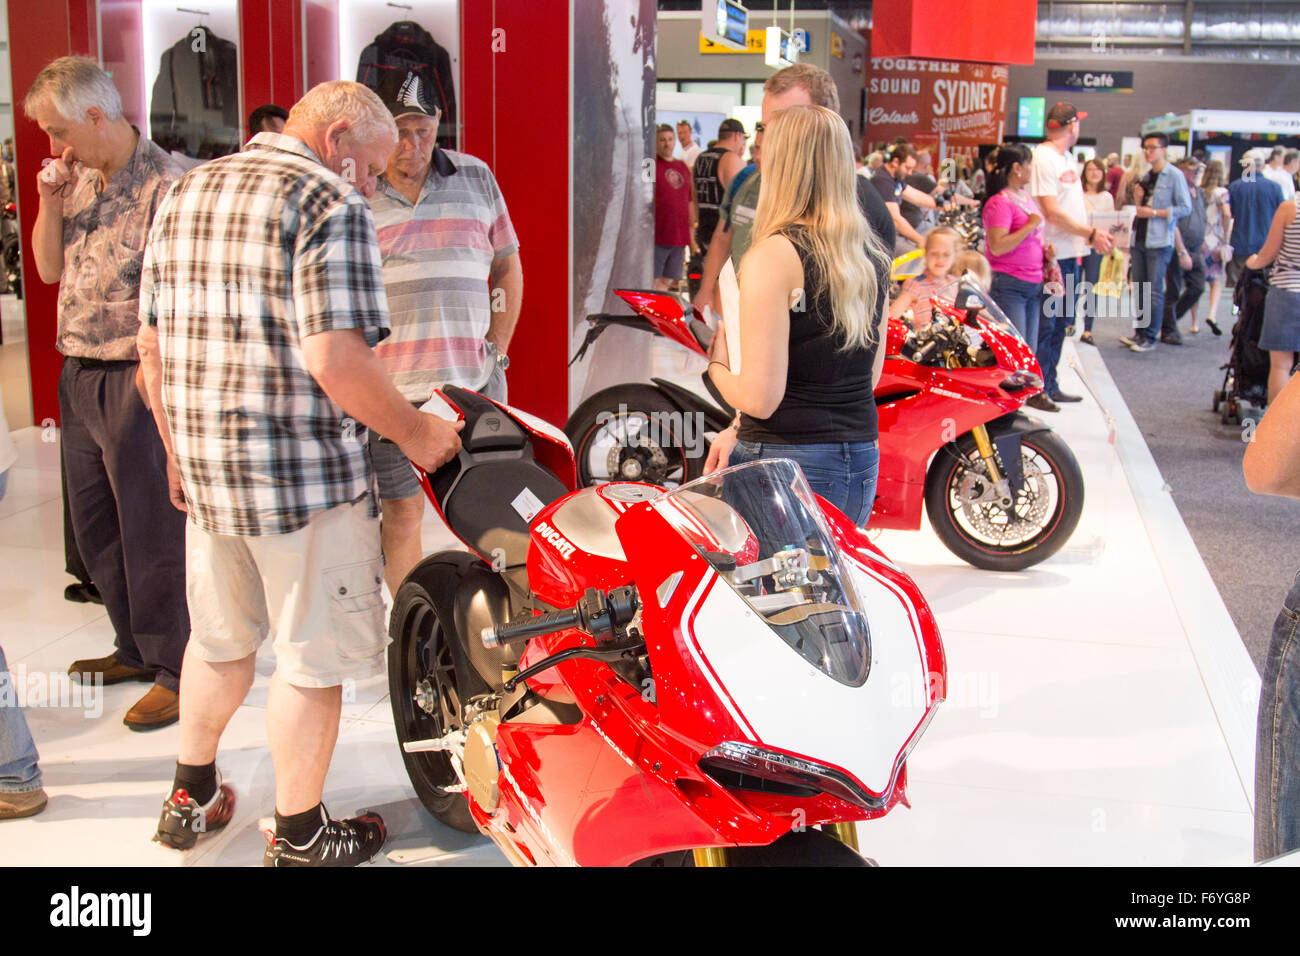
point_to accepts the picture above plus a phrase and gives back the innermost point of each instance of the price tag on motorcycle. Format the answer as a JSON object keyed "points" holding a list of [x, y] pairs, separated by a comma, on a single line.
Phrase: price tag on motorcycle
{"points": [[527, 504]]}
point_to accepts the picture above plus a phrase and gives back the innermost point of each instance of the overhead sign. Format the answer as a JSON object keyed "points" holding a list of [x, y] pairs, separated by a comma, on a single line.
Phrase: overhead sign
{"points": [[1090, 81], [780, 48], [756, 42], [965, 103]]}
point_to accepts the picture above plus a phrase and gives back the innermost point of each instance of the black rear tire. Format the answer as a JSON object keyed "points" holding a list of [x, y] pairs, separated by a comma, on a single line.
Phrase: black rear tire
{"points": [[425, 648], [1054, 461], [641, 430]]}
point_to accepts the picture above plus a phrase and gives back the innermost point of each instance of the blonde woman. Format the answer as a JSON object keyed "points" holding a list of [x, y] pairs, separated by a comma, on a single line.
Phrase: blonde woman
{"points": [[812, 311]]}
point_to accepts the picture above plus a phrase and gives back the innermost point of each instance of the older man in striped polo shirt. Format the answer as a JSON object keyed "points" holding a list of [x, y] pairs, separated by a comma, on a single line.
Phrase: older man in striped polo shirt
{"points": [[454, 284]]}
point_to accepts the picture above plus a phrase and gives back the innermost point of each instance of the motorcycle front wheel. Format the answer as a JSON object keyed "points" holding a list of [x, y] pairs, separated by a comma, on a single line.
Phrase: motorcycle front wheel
{"points": [[426, 688], [977, 529], [634, 433]]}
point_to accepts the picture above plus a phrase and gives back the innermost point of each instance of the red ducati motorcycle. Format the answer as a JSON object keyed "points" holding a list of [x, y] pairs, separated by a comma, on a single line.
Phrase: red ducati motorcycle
{"points": [[1002, 491], [728, 673]]}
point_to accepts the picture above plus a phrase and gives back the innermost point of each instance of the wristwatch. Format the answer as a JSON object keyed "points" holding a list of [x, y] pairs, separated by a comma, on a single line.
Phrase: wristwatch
{"points": [[503, 361]]}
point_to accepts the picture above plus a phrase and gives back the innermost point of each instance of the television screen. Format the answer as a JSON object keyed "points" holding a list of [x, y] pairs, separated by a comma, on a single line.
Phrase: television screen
{"points": [[1030, 118], [728, 24]]}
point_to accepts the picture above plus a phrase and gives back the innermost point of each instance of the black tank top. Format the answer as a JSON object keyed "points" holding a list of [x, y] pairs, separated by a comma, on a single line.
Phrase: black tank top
{"points": [[828, 395], [709, 193]]}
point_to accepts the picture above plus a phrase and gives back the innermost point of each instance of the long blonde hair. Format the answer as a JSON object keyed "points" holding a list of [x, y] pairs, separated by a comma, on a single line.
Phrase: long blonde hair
{"points": [[809, 175]]}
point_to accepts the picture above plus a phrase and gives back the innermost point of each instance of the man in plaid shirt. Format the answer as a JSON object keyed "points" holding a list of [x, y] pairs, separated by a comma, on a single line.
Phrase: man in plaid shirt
{"points": [[261, 297]]}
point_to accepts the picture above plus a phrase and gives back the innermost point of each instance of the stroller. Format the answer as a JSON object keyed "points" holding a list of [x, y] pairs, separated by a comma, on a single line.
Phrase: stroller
{"points": [[1245, 378]]}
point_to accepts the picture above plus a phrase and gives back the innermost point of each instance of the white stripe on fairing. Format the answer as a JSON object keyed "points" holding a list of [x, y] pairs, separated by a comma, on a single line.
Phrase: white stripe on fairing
{"points": [[688, 633], [906, 602]]}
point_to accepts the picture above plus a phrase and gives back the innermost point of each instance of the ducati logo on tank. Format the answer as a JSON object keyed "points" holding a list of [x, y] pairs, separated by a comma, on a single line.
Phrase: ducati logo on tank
{"points": [[923, 100], [556, 540]]}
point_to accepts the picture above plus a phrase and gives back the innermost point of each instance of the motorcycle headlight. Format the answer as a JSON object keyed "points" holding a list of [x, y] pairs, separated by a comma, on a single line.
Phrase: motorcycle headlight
{"points": [[741, 766], [1017, 381]]}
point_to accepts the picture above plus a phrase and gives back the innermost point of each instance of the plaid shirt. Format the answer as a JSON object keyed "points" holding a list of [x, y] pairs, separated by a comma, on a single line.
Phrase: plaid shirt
{"points": [[249, 254]]}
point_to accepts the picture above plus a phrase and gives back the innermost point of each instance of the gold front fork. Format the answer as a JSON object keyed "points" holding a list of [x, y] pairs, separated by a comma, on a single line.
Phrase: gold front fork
{"points": [[985, 447], [710, 856], [846, 833], [979, 432]]}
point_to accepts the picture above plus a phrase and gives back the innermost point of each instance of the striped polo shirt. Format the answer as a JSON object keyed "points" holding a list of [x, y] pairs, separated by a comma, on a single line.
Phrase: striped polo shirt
{"points": [[437, 257]]}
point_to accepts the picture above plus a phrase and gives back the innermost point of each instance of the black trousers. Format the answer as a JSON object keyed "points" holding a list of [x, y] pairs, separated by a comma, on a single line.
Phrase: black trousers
{"points": [[1182, 290], [130, 536]]}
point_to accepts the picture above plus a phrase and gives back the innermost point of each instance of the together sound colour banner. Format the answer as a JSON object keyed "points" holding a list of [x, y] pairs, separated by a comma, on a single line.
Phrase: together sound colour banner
{"points": [[923, 100]]}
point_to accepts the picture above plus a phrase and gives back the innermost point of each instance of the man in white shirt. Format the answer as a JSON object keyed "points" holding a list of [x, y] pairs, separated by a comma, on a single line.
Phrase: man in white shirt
{"points": [[1056, 186], [690, 150], [1276, 171]]}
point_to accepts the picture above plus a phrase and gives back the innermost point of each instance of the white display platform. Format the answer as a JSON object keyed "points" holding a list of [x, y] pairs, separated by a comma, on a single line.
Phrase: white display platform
{"points": [[1101, 705]]}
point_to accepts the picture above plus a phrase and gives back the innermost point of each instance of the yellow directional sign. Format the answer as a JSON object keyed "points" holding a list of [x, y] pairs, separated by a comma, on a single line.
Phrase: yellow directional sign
{"points": [[756, 42]]}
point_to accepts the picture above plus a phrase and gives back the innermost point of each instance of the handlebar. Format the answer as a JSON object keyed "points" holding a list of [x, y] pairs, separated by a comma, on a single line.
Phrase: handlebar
{"points": [[598, 614]]}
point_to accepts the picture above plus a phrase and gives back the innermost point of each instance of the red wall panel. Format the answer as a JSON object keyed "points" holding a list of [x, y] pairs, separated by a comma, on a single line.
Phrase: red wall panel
{"points": [[955, 30], [515, 104], [270, 53]]}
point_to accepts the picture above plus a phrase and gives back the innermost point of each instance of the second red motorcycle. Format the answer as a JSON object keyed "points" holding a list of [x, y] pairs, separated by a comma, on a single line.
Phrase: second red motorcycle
{"points": [[1002, 490]]}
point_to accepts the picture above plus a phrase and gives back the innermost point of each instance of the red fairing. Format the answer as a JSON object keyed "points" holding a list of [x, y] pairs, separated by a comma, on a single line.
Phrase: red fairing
{"points": [[663, 311], [921, 408]]}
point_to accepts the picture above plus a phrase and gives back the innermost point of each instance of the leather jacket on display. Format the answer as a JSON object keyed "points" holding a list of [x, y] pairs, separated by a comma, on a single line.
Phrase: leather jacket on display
{"points": [[195, 104], [407, 47]]}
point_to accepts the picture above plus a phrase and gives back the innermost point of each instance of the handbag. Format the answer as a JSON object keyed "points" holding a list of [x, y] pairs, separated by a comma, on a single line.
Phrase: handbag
{"points": [[1053, 278], [1110, 279]]}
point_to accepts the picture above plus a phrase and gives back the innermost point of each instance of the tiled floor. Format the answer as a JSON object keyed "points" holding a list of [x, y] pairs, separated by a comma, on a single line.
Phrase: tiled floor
{"points": [[1083, 726]]}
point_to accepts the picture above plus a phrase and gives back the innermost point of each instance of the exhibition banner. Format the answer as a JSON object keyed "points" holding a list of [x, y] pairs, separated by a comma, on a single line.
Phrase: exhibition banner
{"points": [[965, 104]]}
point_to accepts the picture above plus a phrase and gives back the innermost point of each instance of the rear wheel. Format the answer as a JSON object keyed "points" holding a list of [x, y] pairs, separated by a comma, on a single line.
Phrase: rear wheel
{"points": [[429, 680], [960, 501], [634, 433]]}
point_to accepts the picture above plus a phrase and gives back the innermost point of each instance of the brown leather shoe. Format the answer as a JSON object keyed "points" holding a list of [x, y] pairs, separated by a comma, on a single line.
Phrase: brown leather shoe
{"points": [[114, 673], [158, 708], [27, 804]]}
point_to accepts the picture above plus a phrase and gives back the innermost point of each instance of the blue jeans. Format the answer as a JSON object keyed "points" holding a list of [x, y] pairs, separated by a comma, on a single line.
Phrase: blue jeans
{"points": [[844, 473], [18, 770], [1149, 268], [1021, 301], [1277, 741], [1058, 313], [1091, 273]]}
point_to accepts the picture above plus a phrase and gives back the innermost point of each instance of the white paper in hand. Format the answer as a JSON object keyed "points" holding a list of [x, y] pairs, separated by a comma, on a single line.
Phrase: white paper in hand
{"points": [[729, 296]]}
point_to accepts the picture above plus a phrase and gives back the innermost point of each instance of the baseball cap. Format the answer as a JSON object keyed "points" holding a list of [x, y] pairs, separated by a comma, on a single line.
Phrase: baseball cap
{"points": [[730, 126], [410, 97], [1258, 156], [1063, 114]]}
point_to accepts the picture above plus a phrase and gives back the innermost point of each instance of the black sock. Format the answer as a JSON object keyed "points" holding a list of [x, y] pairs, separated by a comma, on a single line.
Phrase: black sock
{"points": [[200, 782], [299, 828]]}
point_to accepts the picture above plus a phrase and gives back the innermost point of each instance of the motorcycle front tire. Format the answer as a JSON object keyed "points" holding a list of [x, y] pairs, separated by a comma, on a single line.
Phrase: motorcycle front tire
{"points": [[1056, 531], [611, 403]]}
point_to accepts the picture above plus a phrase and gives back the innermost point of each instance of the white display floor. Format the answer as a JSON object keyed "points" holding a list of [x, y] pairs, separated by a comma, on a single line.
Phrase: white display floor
{"points": [[1101, 706]]}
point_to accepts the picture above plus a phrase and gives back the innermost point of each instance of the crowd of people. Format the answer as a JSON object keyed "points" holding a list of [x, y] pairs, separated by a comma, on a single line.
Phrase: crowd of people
{"points": [[236, 339]]}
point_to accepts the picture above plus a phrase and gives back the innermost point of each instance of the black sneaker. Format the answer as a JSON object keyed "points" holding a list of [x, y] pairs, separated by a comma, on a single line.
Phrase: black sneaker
{"points": [[337, 843], [183, 820], [1171, 338]]}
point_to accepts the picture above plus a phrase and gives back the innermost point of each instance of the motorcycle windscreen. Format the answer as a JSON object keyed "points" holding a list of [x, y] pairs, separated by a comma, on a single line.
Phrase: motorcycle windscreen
{"points": [[966, 293], [759, 526]]}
